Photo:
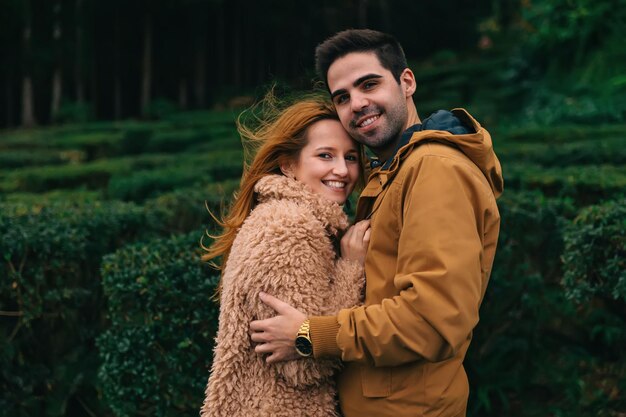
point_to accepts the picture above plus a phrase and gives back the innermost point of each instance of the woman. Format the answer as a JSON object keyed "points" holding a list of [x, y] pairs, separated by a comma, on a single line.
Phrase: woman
{"points": [[280, 237]]}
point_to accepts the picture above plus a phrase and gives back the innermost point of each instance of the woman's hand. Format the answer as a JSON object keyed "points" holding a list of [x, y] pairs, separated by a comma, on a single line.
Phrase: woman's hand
{"points": [[355, 241]]}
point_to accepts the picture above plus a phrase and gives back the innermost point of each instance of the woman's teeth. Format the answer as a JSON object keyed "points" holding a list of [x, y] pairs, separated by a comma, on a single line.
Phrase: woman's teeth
{"points": [[335, 184]]}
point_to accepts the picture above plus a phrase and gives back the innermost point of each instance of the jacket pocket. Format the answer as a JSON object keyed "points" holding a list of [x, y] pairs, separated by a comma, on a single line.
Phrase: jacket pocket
{"points": [[376, 382]]}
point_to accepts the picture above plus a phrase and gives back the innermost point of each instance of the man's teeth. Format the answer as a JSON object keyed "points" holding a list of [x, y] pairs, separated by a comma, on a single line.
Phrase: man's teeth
{"points": [[369, 121], [335, 184]]}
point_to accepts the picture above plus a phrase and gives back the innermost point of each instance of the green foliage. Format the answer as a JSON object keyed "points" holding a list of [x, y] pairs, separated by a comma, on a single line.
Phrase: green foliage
{"points": [[595, 254], [50, 288], [160, 108], [73, 112], [186, 208], [96, 175], [179, 140], [562, 154], [587, 184], [533, 352], [135, 140], [157, 352], [144, 184], [21, 158]]}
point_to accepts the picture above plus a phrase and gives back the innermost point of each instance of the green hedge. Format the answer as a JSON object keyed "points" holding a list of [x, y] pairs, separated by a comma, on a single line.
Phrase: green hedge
{"points": [[220, 165], [21, 158], [186, 208], [534, 351], [595, 254], [146, 184], [51, 301], [588, 184], [157, 351], [562, 134], [589, 152]]}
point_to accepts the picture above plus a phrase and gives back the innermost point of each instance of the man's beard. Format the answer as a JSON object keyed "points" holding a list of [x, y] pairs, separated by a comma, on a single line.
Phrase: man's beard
{"points": [[388, 133]]}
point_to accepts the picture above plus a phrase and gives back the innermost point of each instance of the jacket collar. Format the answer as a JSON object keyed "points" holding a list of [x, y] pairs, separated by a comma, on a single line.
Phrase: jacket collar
{"points": [[280, 187], [476, 145]]}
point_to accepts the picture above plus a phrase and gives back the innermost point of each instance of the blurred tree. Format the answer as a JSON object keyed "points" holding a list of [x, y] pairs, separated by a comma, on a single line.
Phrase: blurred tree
{"points": [[57, 76], [28, 95]]}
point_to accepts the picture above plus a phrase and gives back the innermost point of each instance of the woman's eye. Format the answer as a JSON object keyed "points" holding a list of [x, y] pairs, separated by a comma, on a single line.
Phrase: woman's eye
{"points": [[325, 155], [351, 158]]}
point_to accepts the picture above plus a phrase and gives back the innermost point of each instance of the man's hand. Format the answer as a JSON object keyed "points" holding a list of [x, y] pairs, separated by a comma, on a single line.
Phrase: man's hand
{"points": [[276, 336]]}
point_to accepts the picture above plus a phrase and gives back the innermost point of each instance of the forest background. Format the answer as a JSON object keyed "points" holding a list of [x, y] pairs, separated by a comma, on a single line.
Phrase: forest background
{"points": [[118, 132]]}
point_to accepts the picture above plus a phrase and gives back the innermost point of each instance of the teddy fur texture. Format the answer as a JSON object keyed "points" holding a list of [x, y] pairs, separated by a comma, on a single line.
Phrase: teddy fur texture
{"points": [[283, 248]]}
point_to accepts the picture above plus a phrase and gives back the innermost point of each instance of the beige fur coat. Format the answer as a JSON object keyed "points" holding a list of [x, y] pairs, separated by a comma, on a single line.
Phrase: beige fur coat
{"points": [[284, 249]]}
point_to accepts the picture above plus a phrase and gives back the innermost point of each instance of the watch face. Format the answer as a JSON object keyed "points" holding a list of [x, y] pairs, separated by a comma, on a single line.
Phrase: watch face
{"points": [[304, 346]]}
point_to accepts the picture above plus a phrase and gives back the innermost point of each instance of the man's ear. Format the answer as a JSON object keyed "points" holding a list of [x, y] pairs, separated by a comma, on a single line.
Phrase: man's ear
{"points": [[407, 80]]}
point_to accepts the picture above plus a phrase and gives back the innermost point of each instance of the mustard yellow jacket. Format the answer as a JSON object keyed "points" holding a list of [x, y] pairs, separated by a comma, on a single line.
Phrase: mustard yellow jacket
{"points": [[435, 226]]}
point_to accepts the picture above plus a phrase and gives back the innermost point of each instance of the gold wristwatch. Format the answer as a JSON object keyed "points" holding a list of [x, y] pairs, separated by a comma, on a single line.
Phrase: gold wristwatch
{"points": [[304, 346]]}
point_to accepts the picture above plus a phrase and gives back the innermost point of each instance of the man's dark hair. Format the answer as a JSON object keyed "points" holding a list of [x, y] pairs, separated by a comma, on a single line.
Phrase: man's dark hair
{"points": [[385, 46]]}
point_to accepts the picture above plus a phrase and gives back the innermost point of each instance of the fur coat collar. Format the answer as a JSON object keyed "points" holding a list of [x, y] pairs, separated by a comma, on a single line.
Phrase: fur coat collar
{"points": [[280, 187]]}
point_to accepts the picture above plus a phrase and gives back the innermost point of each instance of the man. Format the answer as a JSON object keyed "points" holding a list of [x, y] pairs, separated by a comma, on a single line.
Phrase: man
{"points": [[434, 228]]}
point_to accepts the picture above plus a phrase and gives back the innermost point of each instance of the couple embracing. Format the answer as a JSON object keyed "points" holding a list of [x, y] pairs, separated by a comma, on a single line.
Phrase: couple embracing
{"points": [[321, 319]]}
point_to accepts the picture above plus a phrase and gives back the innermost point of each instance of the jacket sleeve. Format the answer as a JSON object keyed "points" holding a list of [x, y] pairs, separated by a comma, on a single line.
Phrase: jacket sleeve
{"points": [[438, 276], [289, 257]]}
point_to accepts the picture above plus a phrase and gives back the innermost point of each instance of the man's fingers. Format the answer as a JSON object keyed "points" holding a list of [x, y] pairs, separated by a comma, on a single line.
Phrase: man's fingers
{"points": [[279, 306], [366, 235], [259, 337], [260, 325], [264, 348]]}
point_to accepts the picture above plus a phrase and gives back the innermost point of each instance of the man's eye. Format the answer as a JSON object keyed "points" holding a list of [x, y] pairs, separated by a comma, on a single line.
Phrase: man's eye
{"points": [[369, 84], [341, 99]]}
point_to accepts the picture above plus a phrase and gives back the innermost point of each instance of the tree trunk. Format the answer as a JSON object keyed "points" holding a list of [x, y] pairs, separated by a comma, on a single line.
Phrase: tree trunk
{"points": [[221, 46], [57, 77], [78, 64], [28, 104], [117, 83], [237, 50], [200, 73], [182, 93], [362, 14], [147, 64], [9, 98]]}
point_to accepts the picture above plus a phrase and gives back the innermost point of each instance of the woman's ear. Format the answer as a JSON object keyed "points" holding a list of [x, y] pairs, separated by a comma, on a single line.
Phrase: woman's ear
{"points": [[287, 169]]}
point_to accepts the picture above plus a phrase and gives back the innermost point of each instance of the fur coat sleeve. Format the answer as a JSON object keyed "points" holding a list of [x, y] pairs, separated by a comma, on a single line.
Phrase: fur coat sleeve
{"points": [[284, 250]]}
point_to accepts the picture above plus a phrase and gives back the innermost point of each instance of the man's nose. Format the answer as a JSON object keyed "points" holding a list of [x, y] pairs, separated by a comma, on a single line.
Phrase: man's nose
{"points": [[359, 102]]}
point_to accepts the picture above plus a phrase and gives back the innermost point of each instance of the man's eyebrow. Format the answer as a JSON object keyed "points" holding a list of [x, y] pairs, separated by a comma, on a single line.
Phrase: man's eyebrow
{"points": [[356, 83]]}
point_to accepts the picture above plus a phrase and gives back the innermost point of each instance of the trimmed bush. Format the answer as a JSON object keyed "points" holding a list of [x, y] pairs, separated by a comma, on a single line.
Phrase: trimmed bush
{"points": [[590, 152], [56, 196], [157, 352], [595, 254], [220, 165], [178, 141], [562, 133], [22, 158], [51, 301], [586, 185], [186, 209], [145, 184], [135, 140], [533, 352]]}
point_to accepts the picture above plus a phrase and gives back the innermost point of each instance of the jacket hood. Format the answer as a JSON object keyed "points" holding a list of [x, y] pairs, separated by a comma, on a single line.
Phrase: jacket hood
{"points": [[280, 187], [476, 146]]}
